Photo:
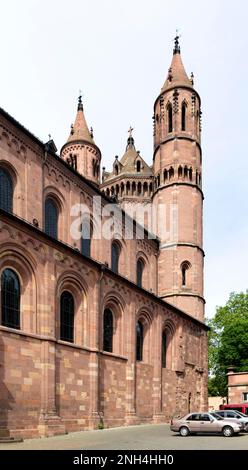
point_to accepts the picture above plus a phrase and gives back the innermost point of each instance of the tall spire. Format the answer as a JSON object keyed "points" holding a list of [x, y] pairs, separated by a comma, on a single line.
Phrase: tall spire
{"points": [[80, 130], [177, 75]]}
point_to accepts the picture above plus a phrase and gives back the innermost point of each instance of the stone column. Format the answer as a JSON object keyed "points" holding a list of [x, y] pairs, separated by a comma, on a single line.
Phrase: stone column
{"points": [[49, 423], [130, 336], [95, 416], [157, 369]]}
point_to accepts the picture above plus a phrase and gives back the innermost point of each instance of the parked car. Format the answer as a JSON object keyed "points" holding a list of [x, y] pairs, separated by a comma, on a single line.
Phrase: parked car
{"points": [[242, 407], [204, 422], [233, 416]]}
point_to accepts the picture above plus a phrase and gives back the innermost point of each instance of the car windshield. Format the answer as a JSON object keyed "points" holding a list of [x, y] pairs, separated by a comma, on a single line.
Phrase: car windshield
{"points": [[216, 416], [241, 414]]}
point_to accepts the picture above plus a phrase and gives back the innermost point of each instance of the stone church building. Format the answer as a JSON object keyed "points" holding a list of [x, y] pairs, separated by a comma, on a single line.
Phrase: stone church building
{"points": [[102, 330]]}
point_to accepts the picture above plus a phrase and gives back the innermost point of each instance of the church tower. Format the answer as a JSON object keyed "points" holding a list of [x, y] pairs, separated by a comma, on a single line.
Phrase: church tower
{"points": [[177, 163], [80, 150]]}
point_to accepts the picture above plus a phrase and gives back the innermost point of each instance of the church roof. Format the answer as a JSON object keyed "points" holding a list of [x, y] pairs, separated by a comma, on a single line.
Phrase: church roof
{"points": [[177, 75], [127, 165], [80, 130], [130, 157]]}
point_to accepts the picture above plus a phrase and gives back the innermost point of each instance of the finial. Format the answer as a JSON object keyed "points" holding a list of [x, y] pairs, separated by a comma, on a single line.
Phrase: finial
{"points": [[72, 129], [130, 130], [192, 78], [176, 49], [80, 104], [49, 136], [116, 157], [91, 132]]}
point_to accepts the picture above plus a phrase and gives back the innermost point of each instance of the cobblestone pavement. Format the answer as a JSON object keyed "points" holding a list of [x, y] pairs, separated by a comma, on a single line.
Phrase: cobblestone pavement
{"points": [[149, 437]]}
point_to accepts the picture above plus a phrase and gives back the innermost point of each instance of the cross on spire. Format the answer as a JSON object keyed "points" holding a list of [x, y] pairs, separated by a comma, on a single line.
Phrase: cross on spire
{"points": [[130, 130], [176, 49], [80, 104]]}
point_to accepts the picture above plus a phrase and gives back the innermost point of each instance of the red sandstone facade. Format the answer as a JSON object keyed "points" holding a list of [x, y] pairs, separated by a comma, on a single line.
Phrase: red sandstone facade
{"points": [[50, 386]]}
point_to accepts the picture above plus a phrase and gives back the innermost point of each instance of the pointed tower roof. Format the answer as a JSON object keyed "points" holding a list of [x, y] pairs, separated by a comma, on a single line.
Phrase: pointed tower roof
{"points": [[177, 75], [128, 160], [80, 130]]}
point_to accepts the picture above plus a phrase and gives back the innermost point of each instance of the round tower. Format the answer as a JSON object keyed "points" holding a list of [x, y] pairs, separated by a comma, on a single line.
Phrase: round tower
{"points": [[80, 150], [177, 164]]}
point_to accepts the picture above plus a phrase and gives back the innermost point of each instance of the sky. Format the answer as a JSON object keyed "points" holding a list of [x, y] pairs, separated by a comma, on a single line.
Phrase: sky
{"points": [[118, 54]]}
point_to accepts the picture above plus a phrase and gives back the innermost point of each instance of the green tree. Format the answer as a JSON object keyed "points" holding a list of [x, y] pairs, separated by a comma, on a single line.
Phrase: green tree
{"points": [[228, 341]]}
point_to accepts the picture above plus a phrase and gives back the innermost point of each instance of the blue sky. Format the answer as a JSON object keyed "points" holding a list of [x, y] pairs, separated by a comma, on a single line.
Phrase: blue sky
{"points": [[118, 53]]}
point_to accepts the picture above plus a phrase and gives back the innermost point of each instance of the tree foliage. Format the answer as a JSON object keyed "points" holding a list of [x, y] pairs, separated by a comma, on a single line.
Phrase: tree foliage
{"points": [[228, 341]]}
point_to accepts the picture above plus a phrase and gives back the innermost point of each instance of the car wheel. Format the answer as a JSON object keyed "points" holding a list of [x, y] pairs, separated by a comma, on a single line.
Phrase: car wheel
{"points": [[227, 431], [246, 427], [184, 431]]}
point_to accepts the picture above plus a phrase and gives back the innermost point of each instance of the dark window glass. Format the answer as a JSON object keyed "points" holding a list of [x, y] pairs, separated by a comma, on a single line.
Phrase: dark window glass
{"points": [[67, 317], [51, 218], [6, 191], [115, 253], [140, 268], [164, 346], [170, 118], [183, 117], [139, 341], [184, 276], [86, 238], [138, 166], [108, 330], [10, 297]]}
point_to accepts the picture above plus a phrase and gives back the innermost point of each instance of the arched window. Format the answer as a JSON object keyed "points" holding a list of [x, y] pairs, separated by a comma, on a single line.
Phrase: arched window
{"points": [[139, 341], [164, 347], [116, 170], [108, 330], [67, 317], [140, 268], [6, 191], [138, 166], [86, 238], [51, 218], [10, 299], [183, 116], [115, 254], [169, 113], [185, 266]]}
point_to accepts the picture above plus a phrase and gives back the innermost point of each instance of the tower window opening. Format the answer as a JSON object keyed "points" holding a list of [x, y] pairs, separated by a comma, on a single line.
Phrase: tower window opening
{"points": [[138, 166], [169, 118], [183, 116], [184, 268], [116, 169]]}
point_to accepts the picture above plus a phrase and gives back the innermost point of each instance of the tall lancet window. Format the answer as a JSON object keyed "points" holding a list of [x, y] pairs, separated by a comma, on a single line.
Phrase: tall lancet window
{"points": [[169, 115], [51, 218], [139, 273], [183, 116], [108, 330], [10, 299], [67, 317], [139, 341], [115, 254], [86, 233], [6, 191]]}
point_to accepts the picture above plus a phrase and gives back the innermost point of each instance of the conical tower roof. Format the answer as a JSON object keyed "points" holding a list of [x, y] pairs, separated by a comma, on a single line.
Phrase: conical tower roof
{"points": [[80, 130], [177, 75]]}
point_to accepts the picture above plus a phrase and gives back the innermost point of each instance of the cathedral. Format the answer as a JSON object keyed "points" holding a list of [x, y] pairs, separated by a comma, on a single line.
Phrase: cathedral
{"points": [[101, 274]]}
